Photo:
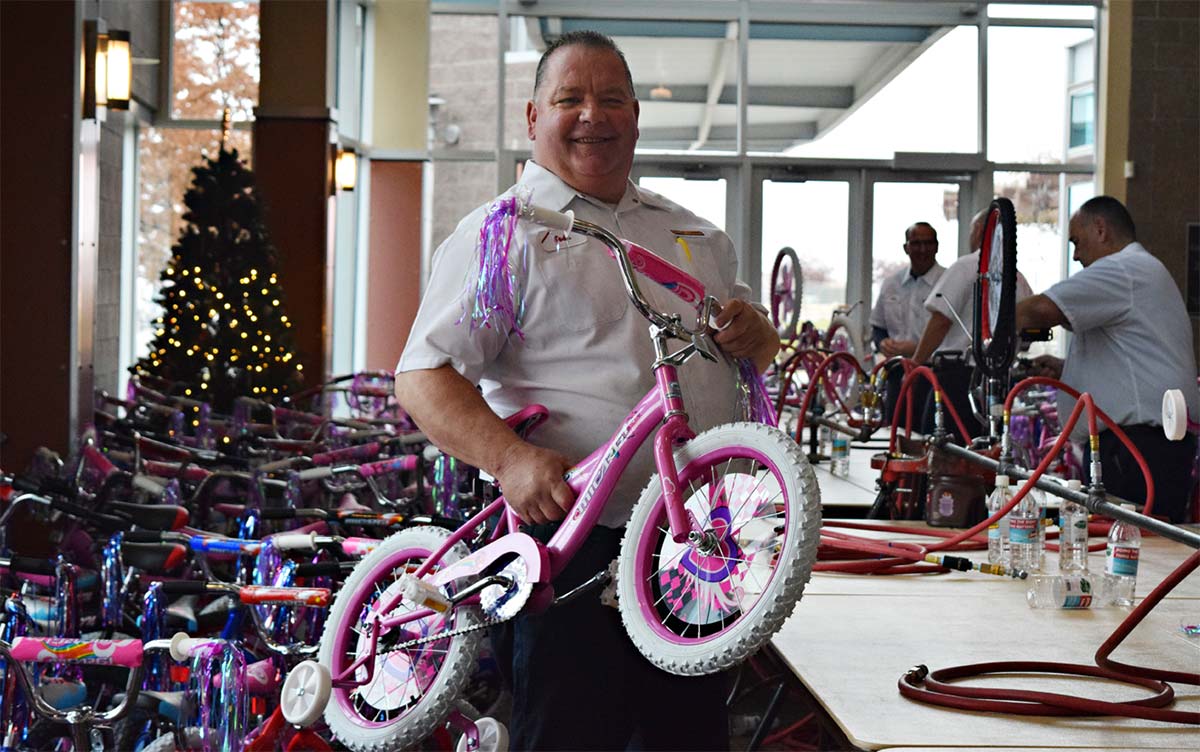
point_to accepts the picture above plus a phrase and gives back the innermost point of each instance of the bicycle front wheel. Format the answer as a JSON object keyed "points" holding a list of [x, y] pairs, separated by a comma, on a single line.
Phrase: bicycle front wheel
{"points": [[701, 606], [411, 689]]}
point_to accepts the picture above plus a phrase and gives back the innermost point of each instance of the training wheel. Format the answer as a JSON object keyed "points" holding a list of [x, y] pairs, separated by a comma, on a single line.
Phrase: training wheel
{"points": [[493, 737], [305, 693], [1174, 414]]}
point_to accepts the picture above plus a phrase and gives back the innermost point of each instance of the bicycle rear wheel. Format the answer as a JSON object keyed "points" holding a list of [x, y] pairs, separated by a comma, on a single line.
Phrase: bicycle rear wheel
{"points": [[411, 690], [787, 290], [841, 378], [698, 608]]}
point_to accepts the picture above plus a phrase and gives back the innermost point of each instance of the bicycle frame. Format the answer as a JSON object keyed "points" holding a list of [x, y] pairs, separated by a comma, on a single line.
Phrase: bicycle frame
{"points": [[659, 413]]}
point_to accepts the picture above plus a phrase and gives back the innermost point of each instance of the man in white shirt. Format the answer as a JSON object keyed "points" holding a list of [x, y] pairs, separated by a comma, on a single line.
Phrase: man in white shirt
{"points": [[578, 682], [899, 315], [1132, 341], [951, 301]]}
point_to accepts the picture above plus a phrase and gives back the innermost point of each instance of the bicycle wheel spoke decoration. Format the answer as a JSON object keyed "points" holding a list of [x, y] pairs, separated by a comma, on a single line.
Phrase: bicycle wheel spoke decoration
{"points": [[995, 332], [704, 604], [701, 588], [787, 290], [409, 690]]}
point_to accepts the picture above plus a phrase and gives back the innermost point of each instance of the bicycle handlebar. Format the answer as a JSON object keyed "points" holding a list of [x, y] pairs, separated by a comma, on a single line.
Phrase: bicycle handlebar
{"points": [[127, 653]]}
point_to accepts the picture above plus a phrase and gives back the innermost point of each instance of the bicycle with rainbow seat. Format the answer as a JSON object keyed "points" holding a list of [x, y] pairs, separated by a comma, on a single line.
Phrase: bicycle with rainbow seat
{"points": [[716, 555]]}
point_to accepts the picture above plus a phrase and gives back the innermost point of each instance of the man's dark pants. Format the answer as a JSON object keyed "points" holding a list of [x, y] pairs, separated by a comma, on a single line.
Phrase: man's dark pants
{"points": [[579, 683], [1170, 464]]}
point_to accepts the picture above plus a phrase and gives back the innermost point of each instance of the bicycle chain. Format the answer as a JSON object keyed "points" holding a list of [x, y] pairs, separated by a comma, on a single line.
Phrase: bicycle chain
{"points": [[440, 636]]}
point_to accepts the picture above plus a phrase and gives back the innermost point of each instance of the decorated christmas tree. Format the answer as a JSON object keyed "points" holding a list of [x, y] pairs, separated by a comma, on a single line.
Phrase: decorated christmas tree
{"points": [[223, 332]]}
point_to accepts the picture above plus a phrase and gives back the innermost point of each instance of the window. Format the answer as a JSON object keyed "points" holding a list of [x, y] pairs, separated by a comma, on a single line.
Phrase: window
{"points": [[214, 60], [917, 94], [1083, 124], [1027, 72]]}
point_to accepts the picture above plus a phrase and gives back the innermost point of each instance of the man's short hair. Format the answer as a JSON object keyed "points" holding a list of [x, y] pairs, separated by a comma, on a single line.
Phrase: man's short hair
{"points": [[586, 38], [1113, 212], [908, 230]]}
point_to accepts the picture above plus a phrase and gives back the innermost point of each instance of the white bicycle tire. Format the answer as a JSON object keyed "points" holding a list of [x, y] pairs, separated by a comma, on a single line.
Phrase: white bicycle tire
{"points": [[782, 593], [447, 687]]}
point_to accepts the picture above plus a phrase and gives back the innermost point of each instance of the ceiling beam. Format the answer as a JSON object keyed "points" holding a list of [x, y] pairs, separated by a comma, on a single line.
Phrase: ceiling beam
{"points": [[716, 82], [798, 131], [823, 97]]}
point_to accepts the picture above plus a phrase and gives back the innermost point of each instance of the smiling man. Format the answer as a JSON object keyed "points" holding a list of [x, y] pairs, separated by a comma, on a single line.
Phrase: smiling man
{"points": [[583, 352]]}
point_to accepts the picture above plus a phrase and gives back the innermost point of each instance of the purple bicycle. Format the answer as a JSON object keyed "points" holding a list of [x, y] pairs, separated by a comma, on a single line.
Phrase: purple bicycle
{"points": [[716, 555]]}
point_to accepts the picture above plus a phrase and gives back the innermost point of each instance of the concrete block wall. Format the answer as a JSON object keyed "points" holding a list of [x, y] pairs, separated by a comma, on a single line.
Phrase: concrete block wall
{"points": [[1164, 127], [144, 22]]}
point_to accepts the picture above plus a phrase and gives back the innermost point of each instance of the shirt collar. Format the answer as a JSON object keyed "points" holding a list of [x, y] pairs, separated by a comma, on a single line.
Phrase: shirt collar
{"points": [[550, 191]]}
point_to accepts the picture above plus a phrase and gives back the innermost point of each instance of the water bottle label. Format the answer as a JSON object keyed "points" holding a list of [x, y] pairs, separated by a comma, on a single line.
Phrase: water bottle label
{"points": [[1080, 600], [1122, 560], [993, 532], [1022, 530]]}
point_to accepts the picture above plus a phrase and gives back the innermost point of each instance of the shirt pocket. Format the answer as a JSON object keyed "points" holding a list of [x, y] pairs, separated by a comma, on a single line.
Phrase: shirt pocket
{"points": [[578, 288]]}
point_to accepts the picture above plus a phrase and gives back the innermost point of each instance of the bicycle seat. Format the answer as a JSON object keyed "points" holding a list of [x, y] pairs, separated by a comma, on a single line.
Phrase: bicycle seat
{"points": [[182, 612], [154, 557], [261, 678], [526, 420], [154, 516], [169, 705], [63, 695]]}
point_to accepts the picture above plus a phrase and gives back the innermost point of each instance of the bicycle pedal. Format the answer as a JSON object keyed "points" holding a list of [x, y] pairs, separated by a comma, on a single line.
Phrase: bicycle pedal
{"points": [[422, 593], [608, 596]]}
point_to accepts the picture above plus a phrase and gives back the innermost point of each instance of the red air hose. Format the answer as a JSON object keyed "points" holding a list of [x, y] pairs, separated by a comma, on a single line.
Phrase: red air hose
{"points": [[1112, 425], [934, 688], [908, 553]]}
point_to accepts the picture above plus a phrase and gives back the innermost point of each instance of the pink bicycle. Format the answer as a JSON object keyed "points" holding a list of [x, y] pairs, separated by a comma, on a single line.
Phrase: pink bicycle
{"points": [[716, 555]]}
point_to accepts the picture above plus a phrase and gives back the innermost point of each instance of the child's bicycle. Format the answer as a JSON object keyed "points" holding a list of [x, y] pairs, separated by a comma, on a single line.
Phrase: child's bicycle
{"points": [[715, 557]]}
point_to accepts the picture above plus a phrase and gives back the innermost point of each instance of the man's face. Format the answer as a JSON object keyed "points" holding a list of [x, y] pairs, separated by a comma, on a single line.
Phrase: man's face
{"points": [[583, 122], [921, 247], [1084, 234]]}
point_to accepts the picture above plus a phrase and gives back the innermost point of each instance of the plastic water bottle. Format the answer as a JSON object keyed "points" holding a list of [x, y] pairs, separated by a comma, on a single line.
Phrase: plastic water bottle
{"points": [[1072, 534], [998, 552], [1121, 560], [1068, 591], [840, 455], [824, 447], [1025, 533]]}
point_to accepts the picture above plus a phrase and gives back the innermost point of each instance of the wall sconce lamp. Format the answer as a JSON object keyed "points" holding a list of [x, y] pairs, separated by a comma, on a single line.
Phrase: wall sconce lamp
{"points": [[345, 169], [106, 70]]}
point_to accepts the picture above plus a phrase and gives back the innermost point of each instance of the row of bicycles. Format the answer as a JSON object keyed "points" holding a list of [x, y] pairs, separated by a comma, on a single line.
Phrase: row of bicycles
{"points": [[164, 584]]}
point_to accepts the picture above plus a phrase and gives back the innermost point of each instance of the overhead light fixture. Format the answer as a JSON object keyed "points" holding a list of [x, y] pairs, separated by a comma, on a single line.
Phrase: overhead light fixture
{"points": [[660, 92], [345, 169], [106, 70]]}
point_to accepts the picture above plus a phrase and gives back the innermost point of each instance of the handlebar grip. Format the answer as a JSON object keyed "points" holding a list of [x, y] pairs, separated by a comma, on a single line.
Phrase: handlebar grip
{"points": [[26, 485], [563, 221], [184, 587], [146, 536], [322, 568], [184, 647], [227, 545], [253, 595], [316, 473], [126, 653], [293, 513], [31, 565], [293, 542]]}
